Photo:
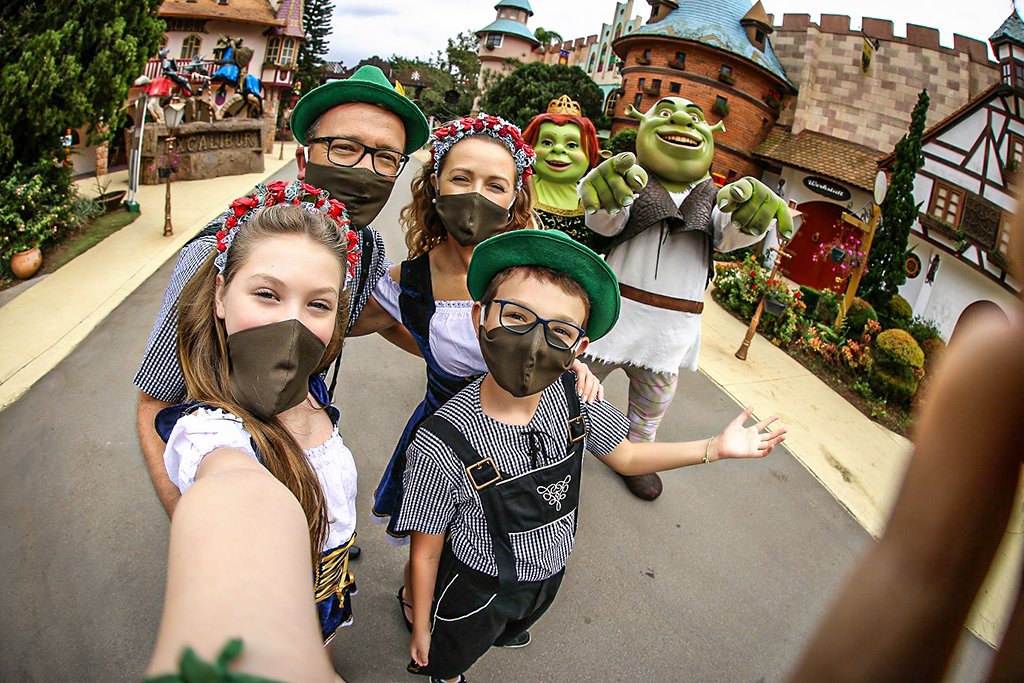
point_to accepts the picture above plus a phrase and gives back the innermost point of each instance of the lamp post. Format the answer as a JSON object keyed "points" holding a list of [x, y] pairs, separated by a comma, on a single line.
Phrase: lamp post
{"points": [[172, 117], [780, 253], [132, 202]]}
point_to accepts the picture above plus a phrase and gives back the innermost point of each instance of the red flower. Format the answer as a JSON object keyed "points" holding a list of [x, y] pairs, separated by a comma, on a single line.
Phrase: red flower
{"points": [[336, 208], [230, 222], [309, 189], [441, 134], [478, 125], [277, 186], [243, 204]]}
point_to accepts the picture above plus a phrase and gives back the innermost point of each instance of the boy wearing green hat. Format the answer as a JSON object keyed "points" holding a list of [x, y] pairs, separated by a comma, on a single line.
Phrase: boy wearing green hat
{"points": [[492, 480]]}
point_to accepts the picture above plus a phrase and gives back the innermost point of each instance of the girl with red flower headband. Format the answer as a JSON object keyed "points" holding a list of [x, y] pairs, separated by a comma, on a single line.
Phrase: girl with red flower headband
{"points": [[471, 189], [264, 315]]}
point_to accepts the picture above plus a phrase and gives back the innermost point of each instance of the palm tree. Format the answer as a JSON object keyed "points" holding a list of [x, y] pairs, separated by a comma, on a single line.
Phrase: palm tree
{"points": [[547, 39]]}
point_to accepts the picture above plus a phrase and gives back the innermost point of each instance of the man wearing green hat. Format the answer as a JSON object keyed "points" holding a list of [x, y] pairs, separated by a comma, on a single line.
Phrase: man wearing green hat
{"points": [[492, 480], [356, 136]]}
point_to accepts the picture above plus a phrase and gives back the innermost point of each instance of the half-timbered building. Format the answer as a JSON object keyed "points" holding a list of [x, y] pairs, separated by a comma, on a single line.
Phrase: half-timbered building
{"points": [[966, 191]]}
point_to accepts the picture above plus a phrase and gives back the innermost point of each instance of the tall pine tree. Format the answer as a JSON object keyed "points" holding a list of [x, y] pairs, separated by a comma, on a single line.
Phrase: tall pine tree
{"points": [[316, 23], [64, 63], [886, 267]]}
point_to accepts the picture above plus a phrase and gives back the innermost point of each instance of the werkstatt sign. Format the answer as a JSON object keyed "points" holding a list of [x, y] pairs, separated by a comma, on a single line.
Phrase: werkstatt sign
{"points": [[827, 188]]}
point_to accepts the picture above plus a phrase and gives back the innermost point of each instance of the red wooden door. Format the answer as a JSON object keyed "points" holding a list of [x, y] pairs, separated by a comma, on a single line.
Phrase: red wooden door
{"points": [[808, 265]]}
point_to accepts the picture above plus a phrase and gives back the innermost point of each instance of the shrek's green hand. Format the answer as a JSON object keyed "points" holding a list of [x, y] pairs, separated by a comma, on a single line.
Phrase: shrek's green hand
{"points": [[612, 184], [753, 207]]}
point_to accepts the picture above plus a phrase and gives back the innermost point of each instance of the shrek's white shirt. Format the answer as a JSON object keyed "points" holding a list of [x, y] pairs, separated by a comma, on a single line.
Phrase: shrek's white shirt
{"points": [[671, 265]]}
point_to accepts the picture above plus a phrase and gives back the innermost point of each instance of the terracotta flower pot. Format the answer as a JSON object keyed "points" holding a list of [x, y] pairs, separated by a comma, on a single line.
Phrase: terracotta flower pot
{"points": [[25, 264]]}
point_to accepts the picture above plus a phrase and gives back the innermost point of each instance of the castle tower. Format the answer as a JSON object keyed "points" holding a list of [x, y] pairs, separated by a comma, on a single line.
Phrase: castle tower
{"points": [[1008, 45], [717, 55], [507, 37]]}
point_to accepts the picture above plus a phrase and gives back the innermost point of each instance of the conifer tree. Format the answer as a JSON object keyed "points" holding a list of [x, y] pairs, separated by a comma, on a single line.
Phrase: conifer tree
{"points": [[886, 267], [65, 63], [316, 23]]}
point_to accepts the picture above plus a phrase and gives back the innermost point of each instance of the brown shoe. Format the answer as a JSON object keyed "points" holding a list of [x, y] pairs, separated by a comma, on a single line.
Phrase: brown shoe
{"points": [[643, 486]]}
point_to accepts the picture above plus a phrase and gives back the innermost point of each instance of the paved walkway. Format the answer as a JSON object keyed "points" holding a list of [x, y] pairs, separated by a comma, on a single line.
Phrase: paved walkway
{"points": [[858, 461]]}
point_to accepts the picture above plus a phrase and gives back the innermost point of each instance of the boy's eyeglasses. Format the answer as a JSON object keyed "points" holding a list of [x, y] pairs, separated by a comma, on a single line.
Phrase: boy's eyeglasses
{"points": [[517, 318], [349, 152]]}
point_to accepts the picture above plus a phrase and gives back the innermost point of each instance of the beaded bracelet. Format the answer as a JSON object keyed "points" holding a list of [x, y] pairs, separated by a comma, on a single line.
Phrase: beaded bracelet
{"points": [[707, 450]]}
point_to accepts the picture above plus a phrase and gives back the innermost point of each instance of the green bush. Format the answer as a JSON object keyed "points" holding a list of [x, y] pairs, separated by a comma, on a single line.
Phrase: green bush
{"points": [[893, 387], [739, 288], [36, 207], [896, 350], [923, 330], [897, 313], [858, 316], [623, 141], [827, 308], [810, 296]]}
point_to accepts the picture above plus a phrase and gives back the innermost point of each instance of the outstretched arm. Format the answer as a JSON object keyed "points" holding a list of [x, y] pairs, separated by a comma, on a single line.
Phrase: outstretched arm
{"points": [[239, 567], [735, 441], [901, 612], [153, 450]]}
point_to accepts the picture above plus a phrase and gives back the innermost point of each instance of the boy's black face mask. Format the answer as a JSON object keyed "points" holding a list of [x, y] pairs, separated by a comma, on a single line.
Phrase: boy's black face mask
{"points": [[523, 364], [471, 218], [271, 366], [363, 192]]}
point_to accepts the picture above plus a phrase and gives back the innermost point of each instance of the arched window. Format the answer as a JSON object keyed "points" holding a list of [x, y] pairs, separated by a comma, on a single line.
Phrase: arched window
{"points": [[288, 52], [273, 50], [609, 107], [590, 65], [190, 47]]}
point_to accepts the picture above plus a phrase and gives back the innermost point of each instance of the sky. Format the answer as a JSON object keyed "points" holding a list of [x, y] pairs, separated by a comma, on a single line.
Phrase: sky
{"points": [[420, 28]]}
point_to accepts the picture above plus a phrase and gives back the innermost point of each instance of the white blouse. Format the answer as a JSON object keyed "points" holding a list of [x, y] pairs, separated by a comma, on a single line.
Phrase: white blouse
{"points": [[453, 339], [199, 433]]}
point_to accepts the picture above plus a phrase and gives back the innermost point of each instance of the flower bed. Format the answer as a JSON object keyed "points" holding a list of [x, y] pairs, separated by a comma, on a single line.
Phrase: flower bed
{"points": [[845, 359]]}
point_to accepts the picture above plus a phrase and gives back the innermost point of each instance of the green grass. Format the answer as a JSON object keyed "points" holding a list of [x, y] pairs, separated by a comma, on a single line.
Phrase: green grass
{"points": [[104, 226], [57, 255]]}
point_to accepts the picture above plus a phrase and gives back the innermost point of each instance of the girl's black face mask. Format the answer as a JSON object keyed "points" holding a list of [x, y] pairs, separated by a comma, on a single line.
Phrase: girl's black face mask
{"points": [[471, 218], [271, 366]]}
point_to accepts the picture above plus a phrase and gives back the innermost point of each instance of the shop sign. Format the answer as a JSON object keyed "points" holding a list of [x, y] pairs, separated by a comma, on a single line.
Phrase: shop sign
{"points": [[827, 188]]}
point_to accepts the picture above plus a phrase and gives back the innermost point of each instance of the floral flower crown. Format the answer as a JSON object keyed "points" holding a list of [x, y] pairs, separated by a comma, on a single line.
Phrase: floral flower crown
{"points": [[498, 128], [312, 199]]}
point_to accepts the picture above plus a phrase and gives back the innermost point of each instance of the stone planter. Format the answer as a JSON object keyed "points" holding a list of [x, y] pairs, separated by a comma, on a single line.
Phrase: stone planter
{"points": [[25, 264]]}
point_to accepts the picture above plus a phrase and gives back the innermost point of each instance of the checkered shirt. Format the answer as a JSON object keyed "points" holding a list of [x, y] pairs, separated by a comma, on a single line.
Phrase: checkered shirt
{"points": [[160, 373], [439, 496]]}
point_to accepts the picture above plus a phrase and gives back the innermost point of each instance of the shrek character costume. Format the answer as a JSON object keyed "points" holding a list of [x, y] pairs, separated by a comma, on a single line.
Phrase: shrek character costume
{"points": [[662, 240], [566, 146]]}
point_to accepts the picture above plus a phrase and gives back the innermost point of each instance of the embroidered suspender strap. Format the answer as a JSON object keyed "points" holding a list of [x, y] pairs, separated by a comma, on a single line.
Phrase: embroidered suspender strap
{"points": [[365, 261], [661, 301], [482, 473]]}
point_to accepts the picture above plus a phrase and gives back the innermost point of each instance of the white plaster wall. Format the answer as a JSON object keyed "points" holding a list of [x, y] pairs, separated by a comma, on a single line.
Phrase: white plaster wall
{"points": [[956, 286]]}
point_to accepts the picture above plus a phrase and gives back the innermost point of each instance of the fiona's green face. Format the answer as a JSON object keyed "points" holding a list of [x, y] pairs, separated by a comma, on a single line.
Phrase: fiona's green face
{"points": [[560, 155], [675, 142]]}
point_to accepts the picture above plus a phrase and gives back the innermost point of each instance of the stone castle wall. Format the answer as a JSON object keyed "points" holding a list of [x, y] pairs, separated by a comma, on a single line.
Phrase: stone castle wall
{"points": [[824, 62]]}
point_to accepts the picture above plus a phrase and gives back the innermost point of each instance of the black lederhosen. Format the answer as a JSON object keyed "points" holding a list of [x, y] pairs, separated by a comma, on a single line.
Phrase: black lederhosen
{"points": [[472, 610]]}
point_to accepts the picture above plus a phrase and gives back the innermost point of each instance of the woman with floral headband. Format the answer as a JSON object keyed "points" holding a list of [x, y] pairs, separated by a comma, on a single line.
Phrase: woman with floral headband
{"points": [[264, 315], [473, 187]]}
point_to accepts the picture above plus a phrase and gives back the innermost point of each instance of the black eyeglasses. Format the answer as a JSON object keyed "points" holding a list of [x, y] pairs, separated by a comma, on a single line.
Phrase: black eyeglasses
{"points": [[517, 318], [349, 152]]}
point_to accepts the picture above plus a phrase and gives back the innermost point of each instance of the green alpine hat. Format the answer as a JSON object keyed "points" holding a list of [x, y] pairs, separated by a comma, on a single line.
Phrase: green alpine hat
{"points": [[556, 250], [370, 85]]}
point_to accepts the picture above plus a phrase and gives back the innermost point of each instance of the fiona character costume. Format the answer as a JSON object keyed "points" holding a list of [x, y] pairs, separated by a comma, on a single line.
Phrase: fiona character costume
{"points": [[566, 145]]}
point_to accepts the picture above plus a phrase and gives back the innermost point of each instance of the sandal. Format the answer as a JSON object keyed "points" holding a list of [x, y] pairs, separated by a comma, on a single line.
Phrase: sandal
{"points": [[402, 604]]}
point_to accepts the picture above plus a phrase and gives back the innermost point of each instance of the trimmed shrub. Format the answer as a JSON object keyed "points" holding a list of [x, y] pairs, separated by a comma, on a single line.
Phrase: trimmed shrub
{"points": [[858, 316], [623, 141], [897, 313], [827, 308], [810, 296], [897, 389], [923, 330], [898, 363]]}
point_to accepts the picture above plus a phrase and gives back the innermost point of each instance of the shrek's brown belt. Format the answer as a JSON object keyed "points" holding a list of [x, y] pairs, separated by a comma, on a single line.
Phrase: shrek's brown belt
{"points": [[661, 301]]}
